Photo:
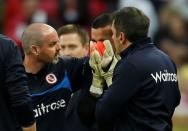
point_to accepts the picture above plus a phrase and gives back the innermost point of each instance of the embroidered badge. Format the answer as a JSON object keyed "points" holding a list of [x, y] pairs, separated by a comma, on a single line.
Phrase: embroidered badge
{"points": [[51, 78]]}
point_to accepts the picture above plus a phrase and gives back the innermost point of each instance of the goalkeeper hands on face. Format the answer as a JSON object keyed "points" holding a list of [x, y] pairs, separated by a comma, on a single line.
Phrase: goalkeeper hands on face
{"points": [[102, 61]]}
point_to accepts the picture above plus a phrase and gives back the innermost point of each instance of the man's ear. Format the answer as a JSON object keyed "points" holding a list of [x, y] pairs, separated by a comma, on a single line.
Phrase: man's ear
{"points": [[122, 38], [124, 41], [34, 50]]}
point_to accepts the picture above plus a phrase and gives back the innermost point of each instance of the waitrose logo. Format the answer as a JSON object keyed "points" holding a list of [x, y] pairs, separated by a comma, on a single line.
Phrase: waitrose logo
{"points": [[44, 109], [164, 76]]}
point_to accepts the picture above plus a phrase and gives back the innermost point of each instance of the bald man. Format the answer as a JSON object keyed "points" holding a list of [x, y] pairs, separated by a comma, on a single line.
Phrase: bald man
{"points": [[51, 78]]}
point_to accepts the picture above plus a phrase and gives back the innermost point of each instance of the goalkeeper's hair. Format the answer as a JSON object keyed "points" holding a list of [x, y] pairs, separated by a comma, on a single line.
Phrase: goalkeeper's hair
{"points": [[102, 20]]}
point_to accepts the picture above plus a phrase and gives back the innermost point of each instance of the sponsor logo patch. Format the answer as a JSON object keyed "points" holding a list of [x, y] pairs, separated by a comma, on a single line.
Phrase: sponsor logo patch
{"points": [[164, 76], [42, 109]]}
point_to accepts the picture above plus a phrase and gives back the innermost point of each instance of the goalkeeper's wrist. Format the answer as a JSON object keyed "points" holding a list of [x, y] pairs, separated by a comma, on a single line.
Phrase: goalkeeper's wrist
{"points": [[98, 81], [108, 81], [95, 91]]}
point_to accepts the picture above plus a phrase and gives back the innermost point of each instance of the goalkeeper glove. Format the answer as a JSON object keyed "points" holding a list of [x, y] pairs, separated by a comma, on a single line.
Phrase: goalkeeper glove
{"points": [[107, 62], [98, 82]]}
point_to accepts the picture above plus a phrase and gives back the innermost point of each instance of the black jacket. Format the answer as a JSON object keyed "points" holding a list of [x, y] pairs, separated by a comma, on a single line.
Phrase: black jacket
{"points": [[144, 92], [73, 122], [51, 90], [15, 101]]}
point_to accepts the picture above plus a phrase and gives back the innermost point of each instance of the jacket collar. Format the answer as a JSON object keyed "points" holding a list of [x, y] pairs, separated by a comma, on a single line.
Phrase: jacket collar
{"points": [[135, 44]]}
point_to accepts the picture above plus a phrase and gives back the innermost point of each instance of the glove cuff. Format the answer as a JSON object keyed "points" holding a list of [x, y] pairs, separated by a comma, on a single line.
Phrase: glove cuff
{"points": [[109, 74], [95, 91], [97, 81], [108, 78]]}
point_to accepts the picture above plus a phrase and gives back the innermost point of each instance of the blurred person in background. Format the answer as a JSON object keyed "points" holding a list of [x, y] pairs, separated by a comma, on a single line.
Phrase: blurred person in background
{"points": [[74, 41], [181, 6], [52, 10], [172, 39], [172, 36], [19, 14], [15, 100], [83, 13], [2, 14], [74, 11]]}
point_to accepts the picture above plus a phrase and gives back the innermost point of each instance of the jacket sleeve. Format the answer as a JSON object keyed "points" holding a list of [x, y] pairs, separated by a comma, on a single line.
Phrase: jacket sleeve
{"points": [[16, 84], [80, 73], [125, 83]]}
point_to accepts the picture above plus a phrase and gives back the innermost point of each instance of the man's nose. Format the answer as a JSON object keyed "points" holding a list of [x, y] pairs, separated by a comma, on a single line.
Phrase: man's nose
{"points": [[66, 52], [58, 46]]}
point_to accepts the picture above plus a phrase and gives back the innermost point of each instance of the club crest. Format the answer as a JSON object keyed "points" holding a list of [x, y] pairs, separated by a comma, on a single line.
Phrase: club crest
{"points": [[51, 78]]}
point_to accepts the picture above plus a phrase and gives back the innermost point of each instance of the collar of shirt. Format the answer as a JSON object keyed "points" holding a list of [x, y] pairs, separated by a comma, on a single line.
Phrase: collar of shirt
{"points": [[138, 43]]}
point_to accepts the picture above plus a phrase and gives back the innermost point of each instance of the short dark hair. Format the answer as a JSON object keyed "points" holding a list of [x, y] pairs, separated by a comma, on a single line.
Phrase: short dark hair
{"points": [[132, 22], [74, 28], [102, 20]]}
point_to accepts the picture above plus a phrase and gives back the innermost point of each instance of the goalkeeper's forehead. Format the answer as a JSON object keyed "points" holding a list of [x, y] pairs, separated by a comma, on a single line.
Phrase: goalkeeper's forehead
{"points": [[101, 34]]}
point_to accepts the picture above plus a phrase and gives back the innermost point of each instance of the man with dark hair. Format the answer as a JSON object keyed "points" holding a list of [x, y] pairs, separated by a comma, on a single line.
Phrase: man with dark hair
{"points": [[102, 20], [15, 101], [140, 24], [100, 31], [144, 92], [101, 28]]}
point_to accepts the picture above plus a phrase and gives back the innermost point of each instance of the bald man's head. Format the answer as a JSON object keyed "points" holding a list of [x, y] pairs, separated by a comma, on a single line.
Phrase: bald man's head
{"points": [[35, 34]]}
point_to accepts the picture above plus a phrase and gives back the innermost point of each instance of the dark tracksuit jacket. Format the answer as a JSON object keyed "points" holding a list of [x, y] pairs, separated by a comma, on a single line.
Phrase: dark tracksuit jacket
{"points": [[72, 119], [15, 100], [144, 92], [51, 90], [73, 122]]}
